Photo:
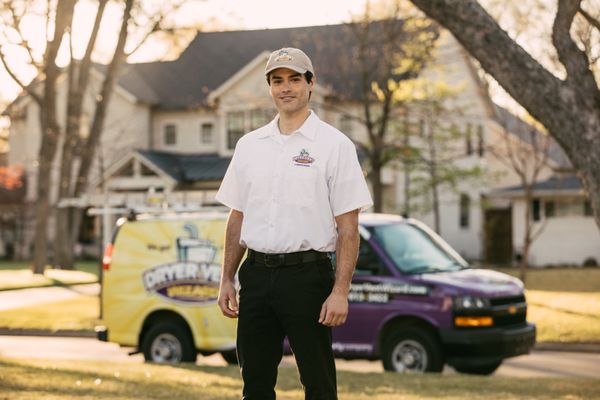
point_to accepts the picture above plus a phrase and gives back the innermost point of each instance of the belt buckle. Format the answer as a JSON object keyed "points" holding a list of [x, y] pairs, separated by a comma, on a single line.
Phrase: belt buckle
{"points": [[274, 260]]}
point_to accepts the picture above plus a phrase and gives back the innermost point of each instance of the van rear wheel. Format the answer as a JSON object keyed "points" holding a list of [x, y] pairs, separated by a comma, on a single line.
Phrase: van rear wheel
{"points": [[168, 343], [412, 349]]}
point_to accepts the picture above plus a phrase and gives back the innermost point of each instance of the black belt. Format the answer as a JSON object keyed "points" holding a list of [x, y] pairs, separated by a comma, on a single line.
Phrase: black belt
{"points": [[286, 259]]}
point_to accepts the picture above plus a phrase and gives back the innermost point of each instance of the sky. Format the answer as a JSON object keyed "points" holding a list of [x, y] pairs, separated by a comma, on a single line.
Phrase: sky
{"points": [[213, 14]]}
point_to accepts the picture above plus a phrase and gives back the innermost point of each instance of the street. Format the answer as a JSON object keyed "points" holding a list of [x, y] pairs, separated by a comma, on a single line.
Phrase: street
{"points": [[537, 364]]}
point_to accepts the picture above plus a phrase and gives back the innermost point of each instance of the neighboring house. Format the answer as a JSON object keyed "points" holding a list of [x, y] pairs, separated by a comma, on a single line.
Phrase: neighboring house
{"points": [[13, 217], [560, 208], [172, 126]]}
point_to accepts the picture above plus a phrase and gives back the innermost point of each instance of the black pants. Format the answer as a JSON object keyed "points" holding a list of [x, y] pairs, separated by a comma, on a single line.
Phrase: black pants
{"points": [[279, 302]]}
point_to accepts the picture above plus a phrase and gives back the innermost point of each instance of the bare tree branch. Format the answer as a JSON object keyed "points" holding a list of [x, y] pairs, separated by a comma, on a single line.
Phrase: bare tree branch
{"points": [[574, 60], [156, 25], [588, 17], [27, 88], [22, 41]]}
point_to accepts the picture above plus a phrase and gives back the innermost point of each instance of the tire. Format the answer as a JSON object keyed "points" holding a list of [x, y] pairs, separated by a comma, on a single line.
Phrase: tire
{"points": [[413, 350], [478, 369], [230, 357], [168, 343]]}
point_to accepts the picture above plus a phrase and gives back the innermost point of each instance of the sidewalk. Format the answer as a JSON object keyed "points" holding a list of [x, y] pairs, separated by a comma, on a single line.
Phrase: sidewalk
{"points": [[17, 298]]}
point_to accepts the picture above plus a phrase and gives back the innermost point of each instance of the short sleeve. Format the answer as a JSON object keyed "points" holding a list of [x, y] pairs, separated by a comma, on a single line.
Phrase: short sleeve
{"points": [[348, 188], [229, 193]]}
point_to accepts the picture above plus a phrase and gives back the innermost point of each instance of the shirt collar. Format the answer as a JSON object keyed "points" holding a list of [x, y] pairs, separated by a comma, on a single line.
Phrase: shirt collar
{"points": [[308, 128]]}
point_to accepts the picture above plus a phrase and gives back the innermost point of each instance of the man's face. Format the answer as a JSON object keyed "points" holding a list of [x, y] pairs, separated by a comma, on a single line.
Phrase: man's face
{"points": [[289, 90]]}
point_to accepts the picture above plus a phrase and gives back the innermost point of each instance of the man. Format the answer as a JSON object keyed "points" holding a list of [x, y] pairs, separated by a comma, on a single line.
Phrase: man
{"points": [[295, 188]]}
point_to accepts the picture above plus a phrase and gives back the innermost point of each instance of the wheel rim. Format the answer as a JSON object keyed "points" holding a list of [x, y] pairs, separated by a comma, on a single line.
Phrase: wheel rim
{"points": [[409, 356], [166, 348]]}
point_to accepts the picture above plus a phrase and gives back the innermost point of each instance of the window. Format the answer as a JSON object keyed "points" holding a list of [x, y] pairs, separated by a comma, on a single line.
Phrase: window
{"points": [[206, 133], [535, 209], [480, 141], [346, 125], [468, 140], [170, 134], [235, 128], [465, 205], [258, 118], [368, 262], [567, 207]]}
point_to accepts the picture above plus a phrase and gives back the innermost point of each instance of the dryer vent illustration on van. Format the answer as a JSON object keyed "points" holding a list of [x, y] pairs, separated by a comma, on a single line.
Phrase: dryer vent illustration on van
{"points": [[193, 278]]}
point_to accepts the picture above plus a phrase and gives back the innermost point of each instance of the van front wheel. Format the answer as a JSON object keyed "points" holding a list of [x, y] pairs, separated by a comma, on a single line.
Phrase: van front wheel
{"points": [[168, 343], [412, 349]]}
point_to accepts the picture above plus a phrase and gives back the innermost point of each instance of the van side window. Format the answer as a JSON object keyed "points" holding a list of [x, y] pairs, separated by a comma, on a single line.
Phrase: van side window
{"points": [[368, 262]]}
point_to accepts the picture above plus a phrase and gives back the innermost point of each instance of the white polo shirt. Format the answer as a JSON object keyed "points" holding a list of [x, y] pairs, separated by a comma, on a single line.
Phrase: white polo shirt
{"points": [[290, 190]]}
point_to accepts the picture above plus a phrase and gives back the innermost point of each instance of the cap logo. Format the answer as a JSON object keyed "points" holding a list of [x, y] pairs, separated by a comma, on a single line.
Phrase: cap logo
{"points": [[283, 56]]}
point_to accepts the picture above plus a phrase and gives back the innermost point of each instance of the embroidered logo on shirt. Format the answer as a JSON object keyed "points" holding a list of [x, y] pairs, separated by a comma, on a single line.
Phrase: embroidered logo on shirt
{"points": [[304, 159]]}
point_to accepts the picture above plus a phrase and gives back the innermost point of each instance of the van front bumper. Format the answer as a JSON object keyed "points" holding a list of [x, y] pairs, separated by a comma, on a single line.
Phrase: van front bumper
{"points": [[487, 344]]}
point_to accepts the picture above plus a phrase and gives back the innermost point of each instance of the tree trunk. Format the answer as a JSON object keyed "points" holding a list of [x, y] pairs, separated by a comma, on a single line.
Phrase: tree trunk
{"points": [[375, 178], [528, 232], [42, 211], [79, 74], [50, 132], [569, 108], [89, 146]]}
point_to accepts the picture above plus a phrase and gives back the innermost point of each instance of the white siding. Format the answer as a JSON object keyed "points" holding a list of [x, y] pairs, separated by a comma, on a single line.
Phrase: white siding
{"points": [[564, 240]]}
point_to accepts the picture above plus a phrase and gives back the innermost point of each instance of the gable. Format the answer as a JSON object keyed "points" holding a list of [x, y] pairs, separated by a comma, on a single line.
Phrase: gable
{"points": [[135, 173]]}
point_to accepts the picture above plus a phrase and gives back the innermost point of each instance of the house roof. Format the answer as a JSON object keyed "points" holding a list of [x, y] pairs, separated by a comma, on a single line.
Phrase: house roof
{"points": [[214, 57], [561, 185], [522, 130], [186, 168]]}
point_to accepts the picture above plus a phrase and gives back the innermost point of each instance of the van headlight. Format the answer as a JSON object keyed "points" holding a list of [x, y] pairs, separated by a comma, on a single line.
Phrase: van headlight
{"points": [[470, 303]]}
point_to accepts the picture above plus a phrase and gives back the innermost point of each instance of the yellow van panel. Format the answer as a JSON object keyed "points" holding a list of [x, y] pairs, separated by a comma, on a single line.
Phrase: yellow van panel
{"points": [[167, 264]]}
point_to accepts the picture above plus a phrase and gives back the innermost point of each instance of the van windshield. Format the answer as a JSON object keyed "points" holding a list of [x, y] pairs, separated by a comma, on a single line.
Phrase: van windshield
{"points": [[415, 251]]}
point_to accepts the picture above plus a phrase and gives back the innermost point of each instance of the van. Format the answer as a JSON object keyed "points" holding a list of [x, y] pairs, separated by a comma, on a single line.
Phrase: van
{"points": [[415, 303]]}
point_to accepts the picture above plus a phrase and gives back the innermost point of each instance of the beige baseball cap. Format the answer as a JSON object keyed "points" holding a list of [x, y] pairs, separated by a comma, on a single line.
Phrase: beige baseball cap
{"points": [[289, 57]]}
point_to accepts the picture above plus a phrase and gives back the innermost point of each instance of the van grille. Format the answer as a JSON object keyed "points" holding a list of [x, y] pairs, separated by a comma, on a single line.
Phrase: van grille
{"points": [[501, 301], [509, 310]]}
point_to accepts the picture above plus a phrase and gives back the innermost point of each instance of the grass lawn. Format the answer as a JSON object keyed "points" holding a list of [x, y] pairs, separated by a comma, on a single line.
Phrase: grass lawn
{"points": [[79, 314], [565, 316], [17, 275], [69, 380]]}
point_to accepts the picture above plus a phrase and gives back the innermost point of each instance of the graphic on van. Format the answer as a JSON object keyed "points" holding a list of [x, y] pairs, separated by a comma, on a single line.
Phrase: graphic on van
{"points": [[380, 292], [193, 278]]}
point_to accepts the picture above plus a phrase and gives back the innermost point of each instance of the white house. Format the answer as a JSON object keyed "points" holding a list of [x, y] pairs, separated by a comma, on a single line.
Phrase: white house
{"points": [[563, 215], [172, 126]]}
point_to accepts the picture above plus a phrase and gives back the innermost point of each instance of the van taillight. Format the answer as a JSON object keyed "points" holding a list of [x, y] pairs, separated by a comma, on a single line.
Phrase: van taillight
{"points": [[107, 258]]}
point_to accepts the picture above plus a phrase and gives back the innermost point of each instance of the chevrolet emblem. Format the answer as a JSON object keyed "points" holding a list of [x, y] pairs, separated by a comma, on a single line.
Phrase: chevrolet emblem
{"points": [[512, 309]]}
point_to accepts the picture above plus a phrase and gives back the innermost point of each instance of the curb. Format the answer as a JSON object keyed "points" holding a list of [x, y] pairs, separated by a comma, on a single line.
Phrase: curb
{"points": [[48, 333], [573, 347], [540, 346], [49, 285]]}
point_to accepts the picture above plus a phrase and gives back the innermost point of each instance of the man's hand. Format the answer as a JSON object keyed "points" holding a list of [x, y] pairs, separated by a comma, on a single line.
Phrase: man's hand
{"points": [[228, 300], [334, 310]]}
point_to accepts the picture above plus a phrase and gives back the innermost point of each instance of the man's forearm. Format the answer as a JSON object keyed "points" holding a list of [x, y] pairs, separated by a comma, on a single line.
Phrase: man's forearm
{"points": [[233, 251], [346, 251]]}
